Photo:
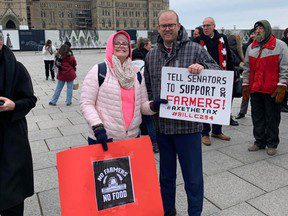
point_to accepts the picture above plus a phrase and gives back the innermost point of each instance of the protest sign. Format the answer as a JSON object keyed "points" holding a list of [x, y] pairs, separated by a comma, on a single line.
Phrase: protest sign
{"points": [[121, 181], [204, 97]]}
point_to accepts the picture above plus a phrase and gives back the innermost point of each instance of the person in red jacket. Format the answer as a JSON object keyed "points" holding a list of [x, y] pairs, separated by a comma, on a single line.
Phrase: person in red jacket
{"points": [[265, 79], [66, 73]]}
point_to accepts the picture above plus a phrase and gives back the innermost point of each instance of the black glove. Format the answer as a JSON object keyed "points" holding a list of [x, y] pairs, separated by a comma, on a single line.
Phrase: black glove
{"points": [[155, 105], [101, 136]]}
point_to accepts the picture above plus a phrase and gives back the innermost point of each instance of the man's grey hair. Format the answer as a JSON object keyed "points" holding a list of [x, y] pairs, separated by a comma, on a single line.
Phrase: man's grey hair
{"points": [[168, 11], [211, 19]]}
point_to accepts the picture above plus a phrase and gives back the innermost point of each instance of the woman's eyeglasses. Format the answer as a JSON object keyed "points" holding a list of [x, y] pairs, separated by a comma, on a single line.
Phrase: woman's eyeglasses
{"points": [[118, 44]]}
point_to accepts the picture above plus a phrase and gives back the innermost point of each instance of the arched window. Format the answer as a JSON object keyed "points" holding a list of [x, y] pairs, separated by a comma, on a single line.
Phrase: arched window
{"points": [[10, 25]]}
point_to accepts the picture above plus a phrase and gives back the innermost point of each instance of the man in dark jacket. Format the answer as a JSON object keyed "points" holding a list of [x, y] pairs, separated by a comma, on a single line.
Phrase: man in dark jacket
{"points": [[17, 99], [217, 46], [265, 78], [175, 137]]}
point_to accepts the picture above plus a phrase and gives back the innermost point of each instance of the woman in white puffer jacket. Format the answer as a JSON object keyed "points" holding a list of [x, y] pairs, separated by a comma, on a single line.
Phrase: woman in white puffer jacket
{"points": [[114, 109]]}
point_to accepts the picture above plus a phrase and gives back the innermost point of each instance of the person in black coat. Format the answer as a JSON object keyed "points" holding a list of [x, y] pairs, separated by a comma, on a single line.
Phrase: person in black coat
{"points": [[142, 48], [17, 99], [217, 46]]}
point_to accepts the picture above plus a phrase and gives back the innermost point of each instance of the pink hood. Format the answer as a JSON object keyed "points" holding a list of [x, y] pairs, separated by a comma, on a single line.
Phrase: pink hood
{"points": [[110, 46]]}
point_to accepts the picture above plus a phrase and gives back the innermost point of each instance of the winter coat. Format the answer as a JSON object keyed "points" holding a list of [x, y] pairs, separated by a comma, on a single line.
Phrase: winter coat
{"points": [[285, 39], [245, 46], [266, 66], [47, 55], [183, 54], [103, 104], [16, 171], [67, 72], [235, 45], [139, 54], [212, 47]]}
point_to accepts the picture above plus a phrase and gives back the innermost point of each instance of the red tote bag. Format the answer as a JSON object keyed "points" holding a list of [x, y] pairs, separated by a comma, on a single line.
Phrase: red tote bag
{"points": [[121, 181]]}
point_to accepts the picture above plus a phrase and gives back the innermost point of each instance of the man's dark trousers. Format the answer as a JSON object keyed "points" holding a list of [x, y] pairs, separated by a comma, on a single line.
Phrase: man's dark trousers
{"points": [[266, 116], [216, 129], [17, 210], [188, 149]]}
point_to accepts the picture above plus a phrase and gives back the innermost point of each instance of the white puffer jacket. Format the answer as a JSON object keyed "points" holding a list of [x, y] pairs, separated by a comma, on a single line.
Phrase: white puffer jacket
{"points": [[103, 104]]}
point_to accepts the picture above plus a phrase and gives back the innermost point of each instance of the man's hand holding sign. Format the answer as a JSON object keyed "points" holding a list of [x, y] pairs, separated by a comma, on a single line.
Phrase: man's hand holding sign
{"points": [[195, 68], [194, 96]]}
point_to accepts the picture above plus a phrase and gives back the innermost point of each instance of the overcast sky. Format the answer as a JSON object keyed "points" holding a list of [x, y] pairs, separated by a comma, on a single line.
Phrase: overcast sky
{"points": [[227, 13]]}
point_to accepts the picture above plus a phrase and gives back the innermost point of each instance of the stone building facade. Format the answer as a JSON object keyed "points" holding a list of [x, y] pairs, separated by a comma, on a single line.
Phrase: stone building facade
{"points": [[81, 14], [13, 14]]}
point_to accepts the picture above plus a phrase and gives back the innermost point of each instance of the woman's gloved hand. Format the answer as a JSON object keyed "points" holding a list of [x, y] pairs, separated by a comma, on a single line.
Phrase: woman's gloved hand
{"points": [[101, 136], [155, 105]]}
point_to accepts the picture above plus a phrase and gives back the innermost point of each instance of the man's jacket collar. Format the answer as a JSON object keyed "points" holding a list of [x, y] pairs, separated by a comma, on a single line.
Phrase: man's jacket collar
{"points": [[271, 44]]}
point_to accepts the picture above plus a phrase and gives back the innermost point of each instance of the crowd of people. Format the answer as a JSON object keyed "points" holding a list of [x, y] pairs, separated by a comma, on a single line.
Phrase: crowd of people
{"points": [[120, 99]]}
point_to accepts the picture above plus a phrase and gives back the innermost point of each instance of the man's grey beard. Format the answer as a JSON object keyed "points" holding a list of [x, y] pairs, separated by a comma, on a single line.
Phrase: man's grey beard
{"points": [[260, 37]]}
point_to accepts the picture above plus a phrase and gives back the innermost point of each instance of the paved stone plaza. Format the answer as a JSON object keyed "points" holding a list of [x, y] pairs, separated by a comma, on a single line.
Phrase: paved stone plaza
{"points": [[237, 182]]}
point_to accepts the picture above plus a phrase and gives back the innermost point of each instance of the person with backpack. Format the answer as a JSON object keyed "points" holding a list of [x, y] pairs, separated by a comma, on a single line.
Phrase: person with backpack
{"points": [[114, 95], [66, 74]]}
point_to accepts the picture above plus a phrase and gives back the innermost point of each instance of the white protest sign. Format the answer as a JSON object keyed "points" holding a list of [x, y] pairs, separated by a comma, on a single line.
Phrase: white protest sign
{"points": [[204, 97]]}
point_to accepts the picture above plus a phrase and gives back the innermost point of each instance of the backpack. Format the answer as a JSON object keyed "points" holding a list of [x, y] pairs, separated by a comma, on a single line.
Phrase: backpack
{"points": [[102, 70], [58, 62]]}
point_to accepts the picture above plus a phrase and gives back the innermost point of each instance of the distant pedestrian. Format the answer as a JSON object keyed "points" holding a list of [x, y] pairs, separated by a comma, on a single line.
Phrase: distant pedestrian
{"points": [[235, 44], [17, 99], [66, 74], [138, 56], [251, 39], [265, 79], [142, 48], [244, 104], [198, 31], [49, 55]]}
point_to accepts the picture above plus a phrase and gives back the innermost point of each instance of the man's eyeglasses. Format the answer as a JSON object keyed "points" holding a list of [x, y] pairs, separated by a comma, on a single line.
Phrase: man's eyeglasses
{"points": [[118, 44], [169, 26], [206, 25]]}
